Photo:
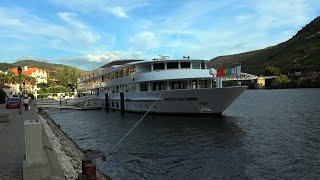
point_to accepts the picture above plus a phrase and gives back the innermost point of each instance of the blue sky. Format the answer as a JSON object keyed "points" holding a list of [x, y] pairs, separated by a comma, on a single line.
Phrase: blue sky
{"points": [[89, 33]]}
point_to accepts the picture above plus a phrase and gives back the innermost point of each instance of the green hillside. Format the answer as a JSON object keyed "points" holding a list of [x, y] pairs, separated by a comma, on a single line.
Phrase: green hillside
{"points": [[5, 66], [50, 67], [301, 53]]}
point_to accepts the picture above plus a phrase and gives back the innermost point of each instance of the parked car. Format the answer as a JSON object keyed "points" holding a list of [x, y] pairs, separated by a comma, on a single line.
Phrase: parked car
{"points": [[13, 102]]}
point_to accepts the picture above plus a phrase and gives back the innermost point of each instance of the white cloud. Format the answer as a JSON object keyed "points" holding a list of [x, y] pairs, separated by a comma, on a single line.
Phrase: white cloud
{"points": [[211, 28], [273, 13], [12, 22], [119, 8], [69, 35], [83, 31], [119, 12], [92, 61], [203, 28], [145, 40]]}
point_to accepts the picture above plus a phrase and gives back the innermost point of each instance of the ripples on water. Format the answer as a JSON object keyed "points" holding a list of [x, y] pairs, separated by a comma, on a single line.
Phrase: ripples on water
{"points": [[265, 134]]}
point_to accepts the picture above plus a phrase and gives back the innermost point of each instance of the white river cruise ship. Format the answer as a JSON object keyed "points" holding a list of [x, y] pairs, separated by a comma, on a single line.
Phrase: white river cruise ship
{"points": [[181, 86]]}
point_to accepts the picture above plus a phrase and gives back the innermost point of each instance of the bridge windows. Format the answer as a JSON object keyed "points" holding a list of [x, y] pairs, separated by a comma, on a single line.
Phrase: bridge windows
{"points": [[132, 70], [172, 65], [194, 84], [144, 86], [132, 87], [125, 71], [185, 64], [198, 65], [116, 75], [178, 84], [144, 68], [204, 84], [203, 65], [158, 66], [120, 73], [159, 86]]}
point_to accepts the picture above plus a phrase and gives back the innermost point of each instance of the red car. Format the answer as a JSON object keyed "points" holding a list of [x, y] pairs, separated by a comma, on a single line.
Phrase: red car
{"points": [[13, 103]]}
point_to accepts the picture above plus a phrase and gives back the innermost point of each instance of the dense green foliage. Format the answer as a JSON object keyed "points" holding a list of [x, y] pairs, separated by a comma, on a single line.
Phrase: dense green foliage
{"points": [[68, 75], [11, 78], [283, 81], [271, 71], [54, 89]]}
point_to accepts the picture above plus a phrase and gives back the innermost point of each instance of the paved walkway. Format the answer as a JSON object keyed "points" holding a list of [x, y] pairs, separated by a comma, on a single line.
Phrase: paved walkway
{"points": [[12, 146]]}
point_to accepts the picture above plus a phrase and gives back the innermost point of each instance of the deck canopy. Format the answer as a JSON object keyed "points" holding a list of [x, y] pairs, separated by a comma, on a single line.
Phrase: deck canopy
{"points": [[120, 62]]}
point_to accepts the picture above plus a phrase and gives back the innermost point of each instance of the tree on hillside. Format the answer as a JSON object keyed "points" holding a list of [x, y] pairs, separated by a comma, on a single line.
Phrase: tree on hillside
{"points": [[62, 75], [67, 75], [28, 79], [74, 75], [283, 81], [271, 71], [8, 78]]}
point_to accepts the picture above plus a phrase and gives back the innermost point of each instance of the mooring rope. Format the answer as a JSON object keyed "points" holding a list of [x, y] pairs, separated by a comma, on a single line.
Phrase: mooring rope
{"points": [[133, 126]]}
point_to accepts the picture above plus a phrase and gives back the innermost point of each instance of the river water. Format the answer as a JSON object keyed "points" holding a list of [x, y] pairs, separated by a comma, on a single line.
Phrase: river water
{"points": [[265, 134]]}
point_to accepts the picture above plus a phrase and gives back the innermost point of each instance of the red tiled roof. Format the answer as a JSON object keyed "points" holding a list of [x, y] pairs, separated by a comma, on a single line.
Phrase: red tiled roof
{"points": [[29, 72]]}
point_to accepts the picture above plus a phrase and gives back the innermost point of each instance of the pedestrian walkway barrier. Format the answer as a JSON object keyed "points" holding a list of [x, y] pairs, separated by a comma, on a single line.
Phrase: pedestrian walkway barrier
{"points": [[35, 165], [4, 117]]}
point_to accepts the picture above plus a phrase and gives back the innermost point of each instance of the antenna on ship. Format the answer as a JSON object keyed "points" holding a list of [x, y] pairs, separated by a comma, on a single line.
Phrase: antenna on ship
{"points": [[161, 57]]}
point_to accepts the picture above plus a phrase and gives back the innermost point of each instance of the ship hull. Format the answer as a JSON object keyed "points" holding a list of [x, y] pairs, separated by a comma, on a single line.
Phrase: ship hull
{"points": [[195, 101]]}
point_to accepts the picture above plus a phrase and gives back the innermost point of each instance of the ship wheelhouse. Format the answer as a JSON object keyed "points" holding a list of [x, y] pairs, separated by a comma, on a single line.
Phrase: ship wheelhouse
{"points": [[158, 75]]}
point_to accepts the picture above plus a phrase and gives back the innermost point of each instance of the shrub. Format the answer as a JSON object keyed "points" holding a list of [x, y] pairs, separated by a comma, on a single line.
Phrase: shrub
{"points": [[3, 96], [31, 95], [283, 81]]}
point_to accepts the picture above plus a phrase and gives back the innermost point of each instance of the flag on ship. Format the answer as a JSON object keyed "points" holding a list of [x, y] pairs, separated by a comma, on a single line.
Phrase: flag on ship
{"points": [[228, 72], [220, 72], [235, 71]]}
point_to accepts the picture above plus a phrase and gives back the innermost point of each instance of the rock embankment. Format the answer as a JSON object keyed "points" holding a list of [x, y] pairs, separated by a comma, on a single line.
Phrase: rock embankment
{"points": [[68, 152]]}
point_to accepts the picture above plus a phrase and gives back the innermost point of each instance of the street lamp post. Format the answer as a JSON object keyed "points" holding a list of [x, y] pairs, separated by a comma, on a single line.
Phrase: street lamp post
{"points": [[19, 72], [24, 88]]}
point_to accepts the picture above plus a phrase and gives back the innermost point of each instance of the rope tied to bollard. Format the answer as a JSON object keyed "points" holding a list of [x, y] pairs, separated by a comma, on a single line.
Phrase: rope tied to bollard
{"points": [[104, 157], [85, 163]]}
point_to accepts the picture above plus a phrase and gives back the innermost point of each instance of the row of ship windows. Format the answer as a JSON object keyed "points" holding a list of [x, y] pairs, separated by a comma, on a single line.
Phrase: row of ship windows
{"points": [[116, 104], [155, 66], [120, 73], [161, 86]]}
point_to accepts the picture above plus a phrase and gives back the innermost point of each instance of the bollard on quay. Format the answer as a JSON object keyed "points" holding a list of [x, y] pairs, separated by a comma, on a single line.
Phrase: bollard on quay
{"points": [[90, 170], [122, 103]]}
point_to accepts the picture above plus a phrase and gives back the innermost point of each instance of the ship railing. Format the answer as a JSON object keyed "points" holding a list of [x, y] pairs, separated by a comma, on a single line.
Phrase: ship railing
{"points": [[81, 99]]}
